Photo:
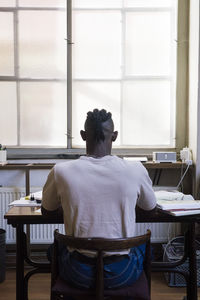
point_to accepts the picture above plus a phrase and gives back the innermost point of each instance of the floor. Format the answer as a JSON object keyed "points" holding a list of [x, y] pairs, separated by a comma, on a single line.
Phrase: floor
{"points": [[39, 286]]}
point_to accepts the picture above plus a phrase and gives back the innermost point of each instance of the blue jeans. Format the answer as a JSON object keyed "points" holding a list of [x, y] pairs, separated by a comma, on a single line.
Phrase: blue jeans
{"points": [[116, 274]]}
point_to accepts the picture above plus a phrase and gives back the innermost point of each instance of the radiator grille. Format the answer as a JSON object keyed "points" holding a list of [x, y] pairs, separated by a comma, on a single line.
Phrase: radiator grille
{"points": [[42, 233]]}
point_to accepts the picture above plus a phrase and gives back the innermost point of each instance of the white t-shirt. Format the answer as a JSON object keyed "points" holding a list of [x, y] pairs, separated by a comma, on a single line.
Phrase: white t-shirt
{"points": [[98, 196]]}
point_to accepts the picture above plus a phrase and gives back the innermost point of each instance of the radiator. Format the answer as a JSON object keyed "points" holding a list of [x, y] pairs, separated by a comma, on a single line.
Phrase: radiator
{"points": [[43, 234]]}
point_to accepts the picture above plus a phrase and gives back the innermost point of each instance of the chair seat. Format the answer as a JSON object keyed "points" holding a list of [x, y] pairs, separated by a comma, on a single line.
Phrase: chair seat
{"points": [[138, 290]]}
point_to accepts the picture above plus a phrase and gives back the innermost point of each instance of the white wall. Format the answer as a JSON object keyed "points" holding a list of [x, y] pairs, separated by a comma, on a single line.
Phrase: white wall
{"points": [[194, 110]]}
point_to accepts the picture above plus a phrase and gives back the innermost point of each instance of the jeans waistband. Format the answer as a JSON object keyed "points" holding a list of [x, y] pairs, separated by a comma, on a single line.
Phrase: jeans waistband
{"points": [[92, 260]]}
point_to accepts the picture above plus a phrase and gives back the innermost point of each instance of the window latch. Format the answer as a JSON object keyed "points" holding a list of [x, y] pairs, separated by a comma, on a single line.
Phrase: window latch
{"points": [[69, 41]]}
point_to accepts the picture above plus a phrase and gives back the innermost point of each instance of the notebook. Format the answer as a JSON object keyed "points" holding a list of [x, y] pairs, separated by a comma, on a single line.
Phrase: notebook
{"points": [[26, 201], [177, 203], [183, 212]]}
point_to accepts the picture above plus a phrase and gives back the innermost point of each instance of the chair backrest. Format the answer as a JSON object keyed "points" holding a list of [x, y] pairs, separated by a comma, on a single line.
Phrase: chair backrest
{"points": [[101, 245]]}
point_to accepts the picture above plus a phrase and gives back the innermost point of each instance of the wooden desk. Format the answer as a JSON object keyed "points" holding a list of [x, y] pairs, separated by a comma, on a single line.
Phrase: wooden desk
{"points": [[20, 216]]}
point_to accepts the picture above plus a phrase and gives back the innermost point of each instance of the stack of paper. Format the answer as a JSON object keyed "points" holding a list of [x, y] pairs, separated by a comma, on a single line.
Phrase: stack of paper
{"points": [[30, 200], [177, 204], [184, 212], [180, 207], [24, 202]]}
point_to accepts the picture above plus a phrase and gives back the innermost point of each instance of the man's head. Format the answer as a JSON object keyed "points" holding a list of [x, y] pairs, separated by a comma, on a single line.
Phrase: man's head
{"points": [[99, 130]]}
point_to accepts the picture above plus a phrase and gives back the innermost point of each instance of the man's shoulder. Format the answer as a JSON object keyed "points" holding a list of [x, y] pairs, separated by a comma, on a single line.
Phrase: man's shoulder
{"points": [[133, 164], [136, 168], [67, 164]]}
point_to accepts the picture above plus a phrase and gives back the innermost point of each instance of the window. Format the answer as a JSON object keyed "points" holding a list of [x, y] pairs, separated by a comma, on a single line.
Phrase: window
{"points": [[58, 61]]}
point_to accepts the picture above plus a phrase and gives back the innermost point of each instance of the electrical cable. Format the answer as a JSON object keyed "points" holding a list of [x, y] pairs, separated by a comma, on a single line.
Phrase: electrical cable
{"points": [[172, 249], [183, 176], [179, 242]]}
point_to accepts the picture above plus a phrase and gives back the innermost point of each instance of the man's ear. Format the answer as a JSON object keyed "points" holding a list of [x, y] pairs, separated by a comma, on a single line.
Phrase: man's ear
{"points": [[83, 135], [114, 135]]}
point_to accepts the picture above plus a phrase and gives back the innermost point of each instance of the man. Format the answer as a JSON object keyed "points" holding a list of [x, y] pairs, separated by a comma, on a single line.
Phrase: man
{"points": [[98, 194]]}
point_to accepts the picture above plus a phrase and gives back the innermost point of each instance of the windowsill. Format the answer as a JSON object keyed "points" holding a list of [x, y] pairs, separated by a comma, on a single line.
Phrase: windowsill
{"points": [[63, 153]]}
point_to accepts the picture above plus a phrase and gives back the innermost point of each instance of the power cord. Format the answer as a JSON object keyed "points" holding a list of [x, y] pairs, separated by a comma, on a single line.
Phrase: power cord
{"points": [[189, 163]]}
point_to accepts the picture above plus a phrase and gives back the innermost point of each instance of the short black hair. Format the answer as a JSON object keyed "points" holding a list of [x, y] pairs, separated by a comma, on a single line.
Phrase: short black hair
{"points": [[94, 121]]}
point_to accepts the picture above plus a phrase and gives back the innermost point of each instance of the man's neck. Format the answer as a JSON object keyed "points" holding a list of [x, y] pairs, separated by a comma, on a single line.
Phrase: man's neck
{"points": [[98, 151]]}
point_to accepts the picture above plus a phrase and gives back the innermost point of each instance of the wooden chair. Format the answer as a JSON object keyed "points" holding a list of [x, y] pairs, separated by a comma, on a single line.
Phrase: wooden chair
{"points": [[140, 290]]}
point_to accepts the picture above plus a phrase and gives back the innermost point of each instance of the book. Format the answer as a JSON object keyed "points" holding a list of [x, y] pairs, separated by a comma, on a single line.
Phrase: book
{"points": [[178, 204], [34, 199], [182, 212], [24, 202]]}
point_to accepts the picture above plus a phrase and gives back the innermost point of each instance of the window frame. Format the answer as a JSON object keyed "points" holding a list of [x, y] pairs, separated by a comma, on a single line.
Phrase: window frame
{"points": [[181, 119]]}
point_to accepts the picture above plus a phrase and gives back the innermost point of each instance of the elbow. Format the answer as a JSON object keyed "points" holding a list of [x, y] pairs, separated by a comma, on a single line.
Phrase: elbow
{"points": [[146, 212], [153, 210], [52, 213], [44, 211]]}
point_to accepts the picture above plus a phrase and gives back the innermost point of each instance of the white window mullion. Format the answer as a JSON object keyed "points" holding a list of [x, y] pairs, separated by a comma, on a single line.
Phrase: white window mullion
{"points": [[69, 73], [173, 75], [123, 30], [16, 66]]}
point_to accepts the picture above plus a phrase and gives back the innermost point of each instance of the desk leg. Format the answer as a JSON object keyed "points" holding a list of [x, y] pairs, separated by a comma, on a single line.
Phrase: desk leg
{"points": [[19, 263], [192, 289]]}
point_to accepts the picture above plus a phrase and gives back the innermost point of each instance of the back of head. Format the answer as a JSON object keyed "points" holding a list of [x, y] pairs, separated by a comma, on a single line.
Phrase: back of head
{"points": [[98, 124]]}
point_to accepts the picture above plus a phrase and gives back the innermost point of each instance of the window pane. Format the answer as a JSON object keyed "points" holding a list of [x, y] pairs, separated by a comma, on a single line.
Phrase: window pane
{"points": [[97, 37], [146, 113], [42, 44], [148, 43], [97, 3], [149, 3], [90, 95], [42, 3], [7, 3], [8, 114], [6, 44], [43, 114]]}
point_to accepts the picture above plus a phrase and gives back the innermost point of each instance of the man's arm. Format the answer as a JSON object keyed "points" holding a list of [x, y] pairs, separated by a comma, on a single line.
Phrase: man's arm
{"points": [[146, 199], [51, 205]]}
